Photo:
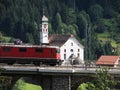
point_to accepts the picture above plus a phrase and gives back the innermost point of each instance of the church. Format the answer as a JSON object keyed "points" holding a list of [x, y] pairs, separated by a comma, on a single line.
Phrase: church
{"points": [[69, 46]]}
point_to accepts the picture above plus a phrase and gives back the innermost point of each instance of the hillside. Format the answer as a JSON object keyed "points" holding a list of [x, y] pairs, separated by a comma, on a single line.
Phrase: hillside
{"points": [[22, 18]]}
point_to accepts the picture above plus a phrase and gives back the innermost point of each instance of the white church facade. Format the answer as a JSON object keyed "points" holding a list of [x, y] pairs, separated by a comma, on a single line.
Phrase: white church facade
{"points": [[68, 44]]}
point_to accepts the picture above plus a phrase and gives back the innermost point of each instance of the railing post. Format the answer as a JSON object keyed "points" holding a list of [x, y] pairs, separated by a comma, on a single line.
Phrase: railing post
{"points": [[69, 82]]}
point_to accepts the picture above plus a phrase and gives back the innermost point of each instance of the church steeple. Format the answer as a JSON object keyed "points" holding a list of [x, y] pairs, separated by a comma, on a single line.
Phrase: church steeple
{"points": [[44, 30]]}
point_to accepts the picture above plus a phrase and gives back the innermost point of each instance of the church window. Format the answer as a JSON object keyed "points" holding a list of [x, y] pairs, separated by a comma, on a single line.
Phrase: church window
{"points": [[71, 50], [71, 44], [64, 56], [45, 25], [64, 50]]}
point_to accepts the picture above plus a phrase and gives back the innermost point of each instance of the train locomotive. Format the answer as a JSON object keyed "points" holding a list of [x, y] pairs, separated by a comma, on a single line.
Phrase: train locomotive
{"points": [[29, 54]]}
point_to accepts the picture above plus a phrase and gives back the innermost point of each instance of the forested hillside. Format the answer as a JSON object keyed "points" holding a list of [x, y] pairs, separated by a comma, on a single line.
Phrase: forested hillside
{"points": [[22, 18]]}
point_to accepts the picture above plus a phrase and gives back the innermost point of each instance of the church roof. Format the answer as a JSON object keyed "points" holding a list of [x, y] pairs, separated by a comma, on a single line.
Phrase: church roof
{"points": [[58, 40], [44, 18]]}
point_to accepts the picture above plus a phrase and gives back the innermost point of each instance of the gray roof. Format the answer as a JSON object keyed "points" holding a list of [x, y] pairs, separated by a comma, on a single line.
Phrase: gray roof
{"points": [[58, 40]]}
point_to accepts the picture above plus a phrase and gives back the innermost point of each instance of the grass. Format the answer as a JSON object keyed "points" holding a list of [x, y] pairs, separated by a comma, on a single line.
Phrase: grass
{"points": [[31, 87], [106, 37], [22, 85]]}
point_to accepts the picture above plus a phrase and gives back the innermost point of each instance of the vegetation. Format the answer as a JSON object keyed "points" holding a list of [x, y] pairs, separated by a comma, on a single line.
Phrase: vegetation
{"points": [[5, 81], [103, 81], [22, 18], [22, 85]]}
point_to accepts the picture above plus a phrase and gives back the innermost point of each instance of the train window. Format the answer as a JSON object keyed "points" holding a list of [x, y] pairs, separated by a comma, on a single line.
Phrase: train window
{"points": [[22, 49], [39, 50], [6, 49]]}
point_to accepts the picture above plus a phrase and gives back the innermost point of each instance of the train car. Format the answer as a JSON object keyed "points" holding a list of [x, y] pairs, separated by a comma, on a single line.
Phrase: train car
{"points": [[29, 54]]}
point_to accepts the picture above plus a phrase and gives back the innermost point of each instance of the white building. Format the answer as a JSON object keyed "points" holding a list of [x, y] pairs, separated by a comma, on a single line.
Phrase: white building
{"points": [[69, 45]]}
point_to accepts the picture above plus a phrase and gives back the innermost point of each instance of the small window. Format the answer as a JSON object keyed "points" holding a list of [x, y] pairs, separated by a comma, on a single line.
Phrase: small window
{"points": [[64, 50], [22, 49], [6, 49], [38, 50], [71, 50], [71, 44], [78, 50], [78, 55], [64, 56], [45, 25]]}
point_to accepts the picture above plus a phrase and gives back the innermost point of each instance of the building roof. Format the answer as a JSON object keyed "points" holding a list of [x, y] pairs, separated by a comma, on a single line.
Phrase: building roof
{"points": [[107, 60], [44, 18], [58, 40]]}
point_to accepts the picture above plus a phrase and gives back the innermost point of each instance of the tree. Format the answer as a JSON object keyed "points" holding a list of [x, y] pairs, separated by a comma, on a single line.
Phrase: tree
{"points": [[81, 23], [96, 12], [29, 38], [102, 81], [5, 81], [108, 48], [61, 27], [86, 86]]}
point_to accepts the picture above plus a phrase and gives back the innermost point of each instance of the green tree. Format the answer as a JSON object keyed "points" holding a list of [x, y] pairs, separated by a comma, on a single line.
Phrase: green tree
{"points": [[96, 12], [108, 48], [29, 38], [82, 21], [102, 81], [86, 86], [61, 27]]}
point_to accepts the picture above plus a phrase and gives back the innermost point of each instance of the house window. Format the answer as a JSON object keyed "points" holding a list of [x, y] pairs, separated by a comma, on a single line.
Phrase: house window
{"points": [[64, 56], [78, 55], [71, 50], [78, 50], [71, 44], [64, 50]]}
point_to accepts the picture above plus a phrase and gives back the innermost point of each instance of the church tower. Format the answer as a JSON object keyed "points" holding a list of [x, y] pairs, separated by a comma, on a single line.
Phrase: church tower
{"points": [[44, 31]]}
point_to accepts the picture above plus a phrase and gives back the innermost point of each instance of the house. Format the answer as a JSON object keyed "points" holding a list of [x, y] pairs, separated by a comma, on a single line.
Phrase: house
{"points": [[112, 61], [70, 47]]}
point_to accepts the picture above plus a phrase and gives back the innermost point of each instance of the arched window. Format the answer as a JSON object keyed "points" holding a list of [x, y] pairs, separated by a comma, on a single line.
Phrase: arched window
{"points": [[71, 50]]}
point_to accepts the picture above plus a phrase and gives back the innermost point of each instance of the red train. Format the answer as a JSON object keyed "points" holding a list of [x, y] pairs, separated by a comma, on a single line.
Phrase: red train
{"points": [[29, 54]]}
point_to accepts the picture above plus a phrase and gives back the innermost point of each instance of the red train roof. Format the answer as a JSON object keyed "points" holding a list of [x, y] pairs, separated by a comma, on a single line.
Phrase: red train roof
{"points": [[26, 45]]}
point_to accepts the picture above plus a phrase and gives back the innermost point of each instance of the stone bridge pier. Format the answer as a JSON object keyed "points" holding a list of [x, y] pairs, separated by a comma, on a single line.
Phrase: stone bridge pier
{"points": [[54, 82], [62, 82]]}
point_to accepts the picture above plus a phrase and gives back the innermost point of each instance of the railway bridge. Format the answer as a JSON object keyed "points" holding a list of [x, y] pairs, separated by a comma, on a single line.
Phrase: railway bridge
{"points": [[54, 78]]}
